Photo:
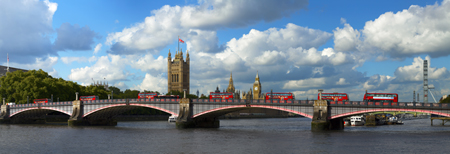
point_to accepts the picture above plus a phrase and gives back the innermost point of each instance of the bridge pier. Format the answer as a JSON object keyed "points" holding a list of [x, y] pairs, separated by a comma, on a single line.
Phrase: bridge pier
{"points": [[321, 121], [184, 119], [4, 114], [77, 118]]}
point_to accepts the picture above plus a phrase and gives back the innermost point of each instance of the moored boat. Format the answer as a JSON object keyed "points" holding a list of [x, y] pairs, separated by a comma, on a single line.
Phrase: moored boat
{"points": [[357, 120], [172, 118]]}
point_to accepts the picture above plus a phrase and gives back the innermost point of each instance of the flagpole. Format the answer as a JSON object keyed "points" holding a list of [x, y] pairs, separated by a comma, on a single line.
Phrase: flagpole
{"points": [[178, 43]]}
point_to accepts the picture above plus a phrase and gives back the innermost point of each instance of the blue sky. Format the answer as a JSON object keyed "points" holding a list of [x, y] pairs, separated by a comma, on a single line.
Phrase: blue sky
{"points": [[296, 46]]}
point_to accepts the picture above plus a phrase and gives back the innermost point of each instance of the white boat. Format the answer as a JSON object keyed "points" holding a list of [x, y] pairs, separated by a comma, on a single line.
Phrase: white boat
{"points": [[346, 122], [172, 118], [394, 121], [357, 120]]}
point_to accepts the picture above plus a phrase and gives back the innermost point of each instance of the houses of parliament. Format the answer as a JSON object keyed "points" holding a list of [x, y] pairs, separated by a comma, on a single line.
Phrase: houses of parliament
{"points": [[178, 71]]}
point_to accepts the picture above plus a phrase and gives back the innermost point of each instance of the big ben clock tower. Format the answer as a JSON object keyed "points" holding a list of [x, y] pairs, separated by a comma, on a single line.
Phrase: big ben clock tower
{"points": [[257, 88]]}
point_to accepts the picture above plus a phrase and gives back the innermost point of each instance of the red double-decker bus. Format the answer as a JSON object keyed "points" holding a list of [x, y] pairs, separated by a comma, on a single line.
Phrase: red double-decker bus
{"points": [[334, 96], [147, 95], [221, 95], [168, 96], [43, 100], [88, 98], [381, 97], [280, 96]]}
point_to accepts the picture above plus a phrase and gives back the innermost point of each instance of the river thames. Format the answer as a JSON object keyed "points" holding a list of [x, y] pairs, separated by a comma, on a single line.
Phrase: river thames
{"points": [[275, 135]]}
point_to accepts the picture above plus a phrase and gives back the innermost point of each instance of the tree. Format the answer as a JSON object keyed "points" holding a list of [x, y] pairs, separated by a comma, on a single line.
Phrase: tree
{"points": [[446, 100], [17, 86]]}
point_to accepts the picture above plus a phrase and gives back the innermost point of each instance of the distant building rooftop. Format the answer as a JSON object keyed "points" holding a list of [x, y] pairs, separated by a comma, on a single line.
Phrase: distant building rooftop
{"points": [[11, 69]]}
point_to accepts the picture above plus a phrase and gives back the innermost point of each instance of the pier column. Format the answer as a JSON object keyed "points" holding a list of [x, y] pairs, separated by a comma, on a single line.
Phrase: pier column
{"points": [[76, 119], [320, 117], [184, 119], [4, 114]]}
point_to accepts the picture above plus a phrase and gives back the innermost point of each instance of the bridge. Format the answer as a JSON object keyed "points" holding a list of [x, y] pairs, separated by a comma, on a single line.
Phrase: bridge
{"points": [[205, 112]]}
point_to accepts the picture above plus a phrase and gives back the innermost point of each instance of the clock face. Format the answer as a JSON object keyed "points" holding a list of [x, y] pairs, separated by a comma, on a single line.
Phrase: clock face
{"points": [[256, 88]]}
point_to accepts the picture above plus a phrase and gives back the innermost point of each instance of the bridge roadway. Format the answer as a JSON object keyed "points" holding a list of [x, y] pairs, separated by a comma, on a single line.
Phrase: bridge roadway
{"points": [[204, 112]]}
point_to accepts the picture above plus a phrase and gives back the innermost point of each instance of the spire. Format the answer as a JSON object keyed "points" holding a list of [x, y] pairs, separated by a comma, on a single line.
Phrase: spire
{"points": [[230, 84], [257, 74]]}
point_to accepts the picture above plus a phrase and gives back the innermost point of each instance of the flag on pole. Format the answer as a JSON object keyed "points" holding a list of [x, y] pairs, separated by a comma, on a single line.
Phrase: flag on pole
{"points": [[180, 40], [7, 57]]}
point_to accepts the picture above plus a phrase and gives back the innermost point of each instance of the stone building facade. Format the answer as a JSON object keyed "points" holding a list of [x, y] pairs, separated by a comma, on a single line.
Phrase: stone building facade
{"points": [[178, 72]]}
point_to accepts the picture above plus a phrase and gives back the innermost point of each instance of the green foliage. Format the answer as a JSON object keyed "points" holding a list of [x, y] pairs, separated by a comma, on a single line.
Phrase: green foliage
{"points": [[446, 100], [37, 84]]}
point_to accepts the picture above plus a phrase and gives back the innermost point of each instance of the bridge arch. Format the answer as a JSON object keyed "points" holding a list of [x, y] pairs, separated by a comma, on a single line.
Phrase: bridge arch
{"points": [[41, 109], [123, 105], [393, 109], [227, 109]]}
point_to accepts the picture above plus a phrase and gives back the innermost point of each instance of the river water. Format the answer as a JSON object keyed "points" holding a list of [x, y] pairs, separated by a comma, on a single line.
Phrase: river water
{"points": [[275, 135]]}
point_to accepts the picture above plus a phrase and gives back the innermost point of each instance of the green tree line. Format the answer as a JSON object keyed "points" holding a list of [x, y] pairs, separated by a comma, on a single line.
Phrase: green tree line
{"points": [[36, 84]]}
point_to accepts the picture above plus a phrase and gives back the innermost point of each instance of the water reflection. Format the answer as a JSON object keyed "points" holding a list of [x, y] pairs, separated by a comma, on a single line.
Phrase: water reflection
{"points": [[277, 135]]}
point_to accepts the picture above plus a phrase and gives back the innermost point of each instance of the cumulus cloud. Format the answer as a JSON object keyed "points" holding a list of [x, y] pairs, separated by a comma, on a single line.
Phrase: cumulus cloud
{"points": [[68, 60], [346, 39], [414, 72], [197, 23], [153, 83], [378, 82], [109, 67], [97, 48], [24, 29], [413, 31], [74, 37], [46, 64], [148, 63]]}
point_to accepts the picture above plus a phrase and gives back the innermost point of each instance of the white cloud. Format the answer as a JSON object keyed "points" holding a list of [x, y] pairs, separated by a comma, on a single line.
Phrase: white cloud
{"points": [[346, 39], [109, 67], [39, 63], [97, 48], [414, 72], [153, 83], [413, 31], [148, 63], [307, 83], [378, 82], [69, 60], [161, 29], [341, 81]]}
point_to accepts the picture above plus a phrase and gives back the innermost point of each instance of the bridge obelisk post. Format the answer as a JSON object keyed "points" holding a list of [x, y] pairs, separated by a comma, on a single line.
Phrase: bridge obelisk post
{"points": [[76, 119], [4, 113], [184, 119]]}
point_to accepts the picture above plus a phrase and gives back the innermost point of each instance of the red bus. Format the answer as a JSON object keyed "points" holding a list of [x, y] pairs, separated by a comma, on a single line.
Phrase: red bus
{"points": [[221, 95], [381, 97], [334, 96], [88, 98], [43, 100], [147, 95], [280, 96], [169, 96]]}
